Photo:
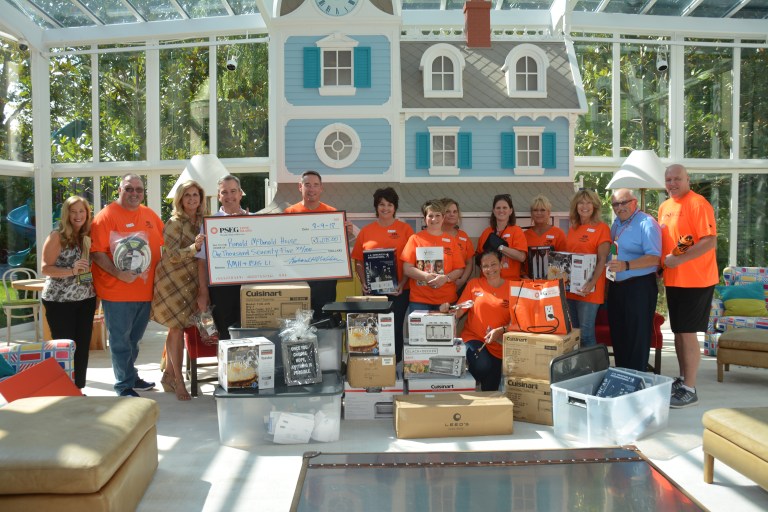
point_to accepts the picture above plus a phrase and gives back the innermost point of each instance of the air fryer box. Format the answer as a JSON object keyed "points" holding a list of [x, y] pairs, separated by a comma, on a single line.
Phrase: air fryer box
{"points": [[371, 371], [573, 268], [431, 328], [480, 413], [246, 363], [532, 399], [371, 403], [529, 355], [438, 361], [371, 334], [266, 304]]}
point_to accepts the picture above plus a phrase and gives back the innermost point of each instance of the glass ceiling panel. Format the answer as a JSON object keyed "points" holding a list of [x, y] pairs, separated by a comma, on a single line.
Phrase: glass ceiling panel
{"points": [[586, 6], [204, 8], [631, 6], [244, 6], [63, 12], [754, 10], [156, 10], [421, 4], [32, 15], [533, 5], [110, 11], [671, 7]]}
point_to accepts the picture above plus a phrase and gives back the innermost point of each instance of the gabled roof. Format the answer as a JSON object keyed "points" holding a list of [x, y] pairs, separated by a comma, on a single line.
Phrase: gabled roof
{"points": [[485, 83]]}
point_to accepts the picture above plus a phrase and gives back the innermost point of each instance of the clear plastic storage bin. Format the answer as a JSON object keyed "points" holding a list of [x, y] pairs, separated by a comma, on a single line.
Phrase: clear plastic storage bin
{"points": [[283, 415], [581, 417]]}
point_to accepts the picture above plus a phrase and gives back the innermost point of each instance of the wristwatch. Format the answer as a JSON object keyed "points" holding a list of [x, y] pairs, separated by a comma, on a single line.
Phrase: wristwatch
{"points": [[626, 263]]}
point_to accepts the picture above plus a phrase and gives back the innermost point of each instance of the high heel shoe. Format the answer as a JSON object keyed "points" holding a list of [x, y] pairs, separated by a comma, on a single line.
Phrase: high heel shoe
{"points": [[181, 390], [167, 383]]}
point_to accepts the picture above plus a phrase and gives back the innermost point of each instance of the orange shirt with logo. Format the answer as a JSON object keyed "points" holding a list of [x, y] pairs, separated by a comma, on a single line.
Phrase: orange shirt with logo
{"points": [[690, 215], [553, 237], [452, 259], [300, 208], [375, 236], [491, 309], [515, 238], [465, 244], [585, 239]]}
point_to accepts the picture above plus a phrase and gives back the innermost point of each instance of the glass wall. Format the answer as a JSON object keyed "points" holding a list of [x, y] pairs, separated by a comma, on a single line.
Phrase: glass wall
{"points": [[15, 103], [594, 130], [71, 112], [753, 221], [753, 119]]}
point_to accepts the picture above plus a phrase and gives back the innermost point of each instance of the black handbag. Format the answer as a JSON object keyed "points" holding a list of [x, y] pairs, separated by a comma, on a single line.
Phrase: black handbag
{"points": [[493, 243]]}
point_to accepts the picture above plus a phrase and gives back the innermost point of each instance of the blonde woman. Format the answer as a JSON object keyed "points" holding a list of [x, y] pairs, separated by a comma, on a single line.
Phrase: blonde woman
{"points": [[451, 224], [68, 297], [588, 235], [542, 233], [176, 281]]}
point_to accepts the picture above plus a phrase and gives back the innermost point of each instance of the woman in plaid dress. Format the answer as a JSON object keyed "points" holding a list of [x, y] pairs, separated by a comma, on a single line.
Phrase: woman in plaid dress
{"points": [[175, 295]]}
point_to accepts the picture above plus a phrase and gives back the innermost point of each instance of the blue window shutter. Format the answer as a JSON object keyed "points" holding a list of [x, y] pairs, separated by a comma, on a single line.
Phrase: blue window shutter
{"points": [[548, 146], [363, 66], [465, 150], [508, 150], [422, 150], [311, 67]]}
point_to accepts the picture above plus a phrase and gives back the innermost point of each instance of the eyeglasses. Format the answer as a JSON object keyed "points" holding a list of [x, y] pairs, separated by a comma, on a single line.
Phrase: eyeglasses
{"points": [[622, 203], [131, 190]]}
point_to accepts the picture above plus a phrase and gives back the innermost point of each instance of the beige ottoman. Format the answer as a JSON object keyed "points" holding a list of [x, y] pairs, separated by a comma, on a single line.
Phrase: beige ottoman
{"points": [[76, 453], [738, 438], [747, 347]]}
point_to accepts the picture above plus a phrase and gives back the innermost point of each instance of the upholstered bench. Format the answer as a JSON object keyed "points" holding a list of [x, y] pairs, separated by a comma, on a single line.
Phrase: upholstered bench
{"points": [[76, 453], [738, 438], [747, 347]]}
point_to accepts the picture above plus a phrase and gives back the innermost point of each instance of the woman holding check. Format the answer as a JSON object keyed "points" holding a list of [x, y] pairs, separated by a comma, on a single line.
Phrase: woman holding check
{"points": [[487, 320]]}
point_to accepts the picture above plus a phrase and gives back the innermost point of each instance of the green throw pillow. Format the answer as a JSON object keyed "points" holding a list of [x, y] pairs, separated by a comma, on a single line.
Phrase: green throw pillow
{"points": [[744, 299], [6, 370]]}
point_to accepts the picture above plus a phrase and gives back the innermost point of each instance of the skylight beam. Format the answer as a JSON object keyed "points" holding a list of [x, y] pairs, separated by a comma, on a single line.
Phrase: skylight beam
{"points": [[182, 12], [648, 6], [736, 9], [85, 10], [691, 7], [228, 7], [139, 17], [40, 12]]}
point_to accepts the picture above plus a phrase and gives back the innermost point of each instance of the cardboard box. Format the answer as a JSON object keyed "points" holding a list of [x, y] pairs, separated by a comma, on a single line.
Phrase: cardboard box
{"points": [[532, 399], [371, 371], [371, 404], [266, 304], [481, 413], [371, 333], [431, 328], [465, 384], [247, 363], [574, 268], [529, 355], [420, 362]]}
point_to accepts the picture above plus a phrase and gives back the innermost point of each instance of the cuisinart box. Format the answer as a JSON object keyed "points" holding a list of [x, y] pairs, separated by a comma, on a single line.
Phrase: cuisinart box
{"points": [[265, 305], [371, 371], [371, 333], [246, 363], [431, 328], [443, 385], [420, 362], [532, 399], [529, 355], [573, 268], [481, 413], [371, 403]]}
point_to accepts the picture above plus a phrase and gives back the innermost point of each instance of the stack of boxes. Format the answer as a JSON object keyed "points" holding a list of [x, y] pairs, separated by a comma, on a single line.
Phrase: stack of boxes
{"points": [[526, 371]]}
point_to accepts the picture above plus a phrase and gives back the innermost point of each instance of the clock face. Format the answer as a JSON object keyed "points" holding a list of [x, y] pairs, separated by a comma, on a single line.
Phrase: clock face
{"points": [[336, 7]]}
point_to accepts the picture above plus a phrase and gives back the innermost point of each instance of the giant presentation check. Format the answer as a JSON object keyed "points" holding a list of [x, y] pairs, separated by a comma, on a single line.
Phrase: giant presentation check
{"points": [[280, 247]]}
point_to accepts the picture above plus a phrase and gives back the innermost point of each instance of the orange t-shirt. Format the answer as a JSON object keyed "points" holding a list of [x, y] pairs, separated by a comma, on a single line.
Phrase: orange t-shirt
{"points": [[554, 237], [491, 309], [115, 220], [452, 259], [585, 239], [690, 215], [375, 236], [300, 208], [514, 236], [465, 244]]}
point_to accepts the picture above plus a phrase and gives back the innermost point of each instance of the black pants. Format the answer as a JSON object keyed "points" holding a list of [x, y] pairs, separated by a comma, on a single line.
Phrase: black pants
{"points": [[226, 307], [73, 321], [321, 293], [631, 306]]}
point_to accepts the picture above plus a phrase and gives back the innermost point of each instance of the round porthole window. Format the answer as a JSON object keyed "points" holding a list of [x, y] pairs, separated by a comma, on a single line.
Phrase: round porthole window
{"points": [[337, 145]]}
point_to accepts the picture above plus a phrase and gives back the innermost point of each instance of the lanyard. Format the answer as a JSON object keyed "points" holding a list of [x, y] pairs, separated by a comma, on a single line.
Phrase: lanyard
{"points": [[624, 226]]}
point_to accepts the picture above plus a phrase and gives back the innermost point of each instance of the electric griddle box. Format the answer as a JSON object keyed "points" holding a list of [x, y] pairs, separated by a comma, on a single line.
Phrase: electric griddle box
{"points": [[585, 419]]}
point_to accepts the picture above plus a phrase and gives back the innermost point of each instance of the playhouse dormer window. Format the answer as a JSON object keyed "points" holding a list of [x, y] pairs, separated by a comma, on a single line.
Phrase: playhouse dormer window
{"points": [[525, 70], [442, 66]]}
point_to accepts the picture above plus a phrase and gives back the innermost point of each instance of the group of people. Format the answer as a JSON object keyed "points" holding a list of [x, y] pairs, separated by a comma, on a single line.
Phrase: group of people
{"points": [[435, 269]]}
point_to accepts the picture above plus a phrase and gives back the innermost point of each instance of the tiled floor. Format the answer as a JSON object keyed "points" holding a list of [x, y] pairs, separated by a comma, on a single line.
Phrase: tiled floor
{"points": [[197, 473]]}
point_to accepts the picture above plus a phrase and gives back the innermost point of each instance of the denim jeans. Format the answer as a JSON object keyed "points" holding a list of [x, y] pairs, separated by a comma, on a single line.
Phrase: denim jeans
{"points": [[583, 316], [126, 323], [484, 366]]}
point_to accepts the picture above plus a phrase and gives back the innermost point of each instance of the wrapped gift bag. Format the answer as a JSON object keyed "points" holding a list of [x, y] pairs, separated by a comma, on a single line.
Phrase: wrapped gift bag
{"points": [[539, 306]]}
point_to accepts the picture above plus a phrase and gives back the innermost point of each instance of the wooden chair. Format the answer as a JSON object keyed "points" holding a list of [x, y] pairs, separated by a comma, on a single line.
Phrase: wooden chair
{"points": [[603, 336], [196, 349], [25, 300]]}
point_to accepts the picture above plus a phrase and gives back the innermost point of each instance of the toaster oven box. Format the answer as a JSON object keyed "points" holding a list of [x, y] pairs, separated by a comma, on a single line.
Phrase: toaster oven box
{"points": [[371, 403], [265, 305], [442, 385], [371, 334], [425, 362], [431, 328], [246, 363], [480, 413], [532, 399], [529, 355], [371, 371]]}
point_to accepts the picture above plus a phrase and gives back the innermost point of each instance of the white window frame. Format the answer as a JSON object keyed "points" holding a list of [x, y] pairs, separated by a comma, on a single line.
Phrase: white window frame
{"points": [[425, 66], [320, 145], [510, 71], [443, 170], [528, 132], [337, 42]]}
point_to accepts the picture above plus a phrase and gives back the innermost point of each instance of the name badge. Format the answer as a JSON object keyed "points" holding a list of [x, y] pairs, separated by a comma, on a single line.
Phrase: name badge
{"points": [[446, 240], [590, 230], [130, 225], [391, 231], [550, 237]]}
